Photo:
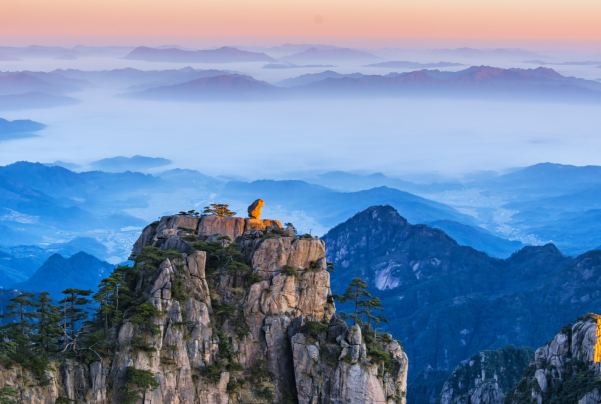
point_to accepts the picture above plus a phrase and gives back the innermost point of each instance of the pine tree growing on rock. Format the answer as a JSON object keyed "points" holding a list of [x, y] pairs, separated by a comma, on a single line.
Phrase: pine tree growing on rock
{"points": [[356, 290], [218, 209]]}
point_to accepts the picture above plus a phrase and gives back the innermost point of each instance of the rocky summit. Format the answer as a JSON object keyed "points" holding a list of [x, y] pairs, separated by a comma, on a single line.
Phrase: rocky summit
{"points": [[223, 310]]}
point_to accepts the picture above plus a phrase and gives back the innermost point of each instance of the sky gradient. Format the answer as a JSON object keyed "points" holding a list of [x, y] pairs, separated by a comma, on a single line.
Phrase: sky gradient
{"points": [[351, 22]]}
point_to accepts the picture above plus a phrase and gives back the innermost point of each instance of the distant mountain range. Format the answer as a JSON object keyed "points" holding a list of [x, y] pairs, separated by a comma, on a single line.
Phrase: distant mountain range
{"points": [[541, 84], [539, 204], [473, 82], [336, 55], [412, 65], [222, 55], [447, 302]]}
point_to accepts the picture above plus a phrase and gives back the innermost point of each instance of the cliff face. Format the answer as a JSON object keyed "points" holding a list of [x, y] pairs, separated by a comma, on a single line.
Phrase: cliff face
{"points": [[566, 370], [258, 329], [486, 377]]}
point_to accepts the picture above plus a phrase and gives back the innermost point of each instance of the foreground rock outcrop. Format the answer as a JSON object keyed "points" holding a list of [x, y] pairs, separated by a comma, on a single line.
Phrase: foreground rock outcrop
{"points": [[566, 370], [245, 322]]}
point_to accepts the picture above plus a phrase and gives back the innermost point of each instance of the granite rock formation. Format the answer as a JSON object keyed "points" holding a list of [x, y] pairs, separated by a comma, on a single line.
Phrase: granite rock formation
{"points": [[268, 315], [254, 210]]}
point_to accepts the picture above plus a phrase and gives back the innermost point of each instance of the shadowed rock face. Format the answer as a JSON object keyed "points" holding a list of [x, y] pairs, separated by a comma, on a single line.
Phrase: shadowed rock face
{"points": [[263, 331]]}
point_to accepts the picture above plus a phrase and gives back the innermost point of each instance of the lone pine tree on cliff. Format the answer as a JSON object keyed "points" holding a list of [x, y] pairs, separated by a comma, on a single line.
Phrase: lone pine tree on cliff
{"points": [[218, 209], [356, 290], [357, 294]]}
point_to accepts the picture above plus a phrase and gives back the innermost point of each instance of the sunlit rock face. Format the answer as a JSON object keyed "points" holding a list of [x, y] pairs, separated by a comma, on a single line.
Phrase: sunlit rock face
{"points": [[222, 325], [254, 210]]}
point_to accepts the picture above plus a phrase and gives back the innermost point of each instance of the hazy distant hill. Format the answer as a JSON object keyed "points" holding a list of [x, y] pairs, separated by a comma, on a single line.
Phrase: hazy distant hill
{"points": [[485, 53], [19, 262], [16, 83], [81, 270], [30, 81], [544, 180], [140, 79], [8, 59], [135, 163], [344, 181], [478, 238], [286, 49], [330, 207], [19, 126], [221, 55], [412, 65], [189, 178], [34, 100], [102, 193], [52, 52], [291, 66], [313, 77], [220, 88], [337, 55]]}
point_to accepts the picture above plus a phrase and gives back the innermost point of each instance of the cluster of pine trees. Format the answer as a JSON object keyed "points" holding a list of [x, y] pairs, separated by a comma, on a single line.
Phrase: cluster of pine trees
{"points": [[38, 328]]}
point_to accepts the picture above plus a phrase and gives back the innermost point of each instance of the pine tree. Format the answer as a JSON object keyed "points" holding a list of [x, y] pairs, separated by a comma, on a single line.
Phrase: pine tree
{"points": [[218, 209], [108, 297], [191, 212], [20, 330], [368, 306], [356, 290], [48, 331], [6, 393], [71, 310]]}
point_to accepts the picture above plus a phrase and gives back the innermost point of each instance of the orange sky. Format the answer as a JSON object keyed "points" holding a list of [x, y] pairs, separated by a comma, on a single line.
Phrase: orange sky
{"points": [[380, 22]]}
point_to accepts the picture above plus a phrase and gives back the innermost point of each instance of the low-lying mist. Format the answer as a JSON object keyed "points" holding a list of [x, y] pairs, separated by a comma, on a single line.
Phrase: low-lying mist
{"points": [[274, 139]]}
